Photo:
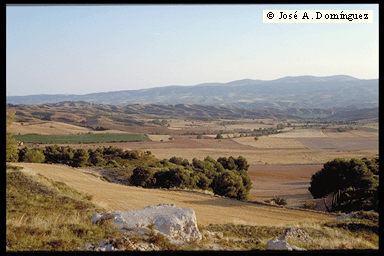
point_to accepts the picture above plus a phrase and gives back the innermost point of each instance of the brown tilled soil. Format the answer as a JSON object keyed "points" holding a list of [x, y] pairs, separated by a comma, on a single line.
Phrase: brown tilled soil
{"points": [[341, 144], [208, 208], [291, 182]]}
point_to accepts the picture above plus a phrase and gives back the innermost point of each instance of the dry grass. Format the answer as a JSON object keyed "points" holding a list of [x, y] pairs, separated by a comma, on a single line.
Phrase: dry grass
{"points": [[269, 142], [300, 133], [159, 137], [41, 216], [262, 156], [47, 128], [209, 209]]}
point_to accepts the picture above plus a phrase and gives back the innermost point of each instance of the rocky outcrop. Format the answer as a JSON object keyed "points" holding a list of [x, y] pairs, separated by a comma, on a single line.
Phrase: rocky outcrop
{"points": [[174, 222]]}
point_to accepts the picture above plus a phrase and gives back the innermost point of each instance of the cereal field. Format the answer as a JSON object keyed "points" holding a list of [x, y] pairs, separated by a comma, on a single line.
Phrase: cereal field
{"points": [[270, 142]]}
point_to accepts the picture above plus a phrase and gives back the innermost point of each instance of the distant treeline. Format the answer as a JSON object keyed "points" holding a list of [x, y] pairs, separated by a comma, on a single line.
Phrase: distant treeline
{"points": [[102, 156], [82, 138]]}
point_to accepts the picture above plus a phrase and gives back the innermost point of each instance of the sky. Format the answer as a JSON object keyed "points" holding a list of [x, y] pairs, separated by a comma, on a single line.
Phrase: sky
{"points": [[81, 49]]}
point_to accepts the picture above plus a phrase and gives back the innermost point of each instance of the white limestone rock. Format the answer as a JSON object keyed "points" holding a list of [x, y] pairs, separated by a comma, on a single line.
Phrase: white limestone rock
{"points": [[174, 222]]}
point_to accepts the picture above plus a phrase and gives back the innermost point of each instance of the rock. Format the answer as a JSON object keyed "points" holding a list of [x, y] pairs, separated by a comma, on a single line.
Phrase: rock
{"points": [[297, 235], [209, 234], [174, 222], [122, 244], [275, 244], [290, 234]]}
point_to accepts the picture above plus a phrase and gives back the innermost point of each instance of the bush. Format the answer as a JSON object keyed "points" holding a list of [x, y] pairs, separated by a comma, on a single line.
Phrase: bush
{"points": [[176, 160], [34, 156], [309, 205], [279, 200], [230, 185], [172, 178], [141, 177], [112, 163], [202, 181]]}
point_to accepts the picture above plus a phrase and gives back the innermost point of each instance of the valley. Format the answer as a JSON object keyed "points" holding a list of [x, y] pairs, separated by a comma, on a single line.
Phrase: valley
{"points": [[281, 163]]}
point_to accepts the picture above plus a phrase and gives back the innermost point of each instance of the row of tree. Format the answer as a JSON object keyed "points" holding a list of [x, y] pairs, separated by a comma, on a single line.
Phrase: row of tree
{"points": [[349, 184], [102, 156], [226, 176]]}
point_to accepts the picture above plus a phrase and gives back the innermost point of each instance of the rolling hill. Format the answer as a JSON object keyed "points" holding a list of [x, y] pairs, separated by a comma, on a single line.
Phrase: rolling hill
{"points": [[287, 92]]}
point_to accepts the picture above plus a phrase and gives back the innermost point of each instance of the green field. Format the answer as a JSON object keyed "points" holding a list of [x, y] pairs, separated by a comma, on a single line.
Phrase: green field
{"points": [[82, 138]]}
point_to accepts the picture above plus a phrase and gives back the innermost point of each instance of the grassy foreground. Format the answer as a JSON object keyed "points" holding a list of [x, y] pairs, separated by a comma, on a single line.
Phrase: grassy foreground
{"points": [[46, 215], [82, 138]]}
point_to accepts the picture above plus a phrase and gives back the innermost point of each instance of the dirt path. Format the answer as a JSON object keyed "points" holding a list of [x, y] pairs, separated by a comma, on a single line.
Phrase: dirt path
{"points": [[209, 209]]}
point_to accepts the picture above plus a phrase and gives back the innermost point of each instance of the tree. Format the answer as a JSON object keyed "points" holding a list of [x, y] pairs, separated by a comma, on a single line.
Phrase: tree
{"points": [[202, 181], [346, 182], [230, 185], [80, 157], [241, 163], [141, 176], [11, 144], [34, 156]]}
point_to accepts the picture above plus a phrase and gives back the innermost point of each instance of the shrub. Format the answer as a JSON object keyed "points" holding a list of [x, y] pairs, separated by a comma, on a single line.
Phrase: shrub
{"points": [[172, 178], [309, 205], [80, 157], [230, 185], [202, 181], [141, 176], [97, 160], [34, 156], [112, 163], [279, 200], [176, 160]]}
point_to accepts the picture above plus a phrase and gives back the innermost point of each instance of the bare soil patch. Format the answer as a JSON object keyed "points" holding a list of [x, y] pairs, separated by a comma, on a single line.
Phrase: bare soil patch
{"points": [[341, 144], [288, 181]]}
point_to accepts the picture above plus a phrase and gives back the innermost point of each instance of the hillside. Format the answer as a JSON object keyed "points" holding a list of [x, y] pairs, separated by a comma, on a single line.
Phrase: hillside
{"points": [[209, 209], [45, 214], [118, 117], [286, 92]]}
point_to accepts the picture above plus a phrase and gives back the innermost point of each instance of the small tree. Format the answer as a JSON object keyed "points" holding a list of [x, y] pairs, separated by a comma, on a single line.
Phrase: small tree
{"points": [[141, 176], [344, 181], [230, 185], [34, 156], [80, 157]]}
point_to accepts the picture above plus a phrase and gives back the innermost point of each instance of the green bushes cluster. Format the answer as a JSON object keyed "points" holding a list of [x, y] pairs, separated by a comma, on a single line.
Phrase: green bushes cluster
{"points": [[226, 176], [102, 156]]}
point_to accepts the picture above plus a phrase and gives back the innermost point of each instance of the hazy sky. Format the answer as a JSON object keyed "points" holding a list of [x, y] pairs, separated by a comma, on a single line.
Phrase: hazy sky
{"points": [[82, 49]]}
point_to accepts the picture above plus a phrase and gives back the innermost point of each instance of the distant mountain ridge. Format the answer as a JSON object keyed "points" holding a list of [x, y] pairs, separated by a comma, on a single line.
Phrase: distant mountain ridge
{"points": [[285, 92]]}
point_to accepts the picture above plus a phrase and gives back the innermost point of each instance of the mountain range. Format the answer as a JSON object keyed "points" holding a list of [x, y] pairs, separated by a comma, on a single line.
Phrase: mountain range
{"points": [[287, 92]]}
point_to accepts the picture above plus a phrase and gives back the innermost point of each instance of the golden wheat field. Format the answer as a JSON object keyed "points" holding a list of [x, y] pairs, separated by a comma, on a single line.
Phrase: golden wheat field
{"points": [[209, 209], [270, 142], [47, 128], [300, 133]]}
